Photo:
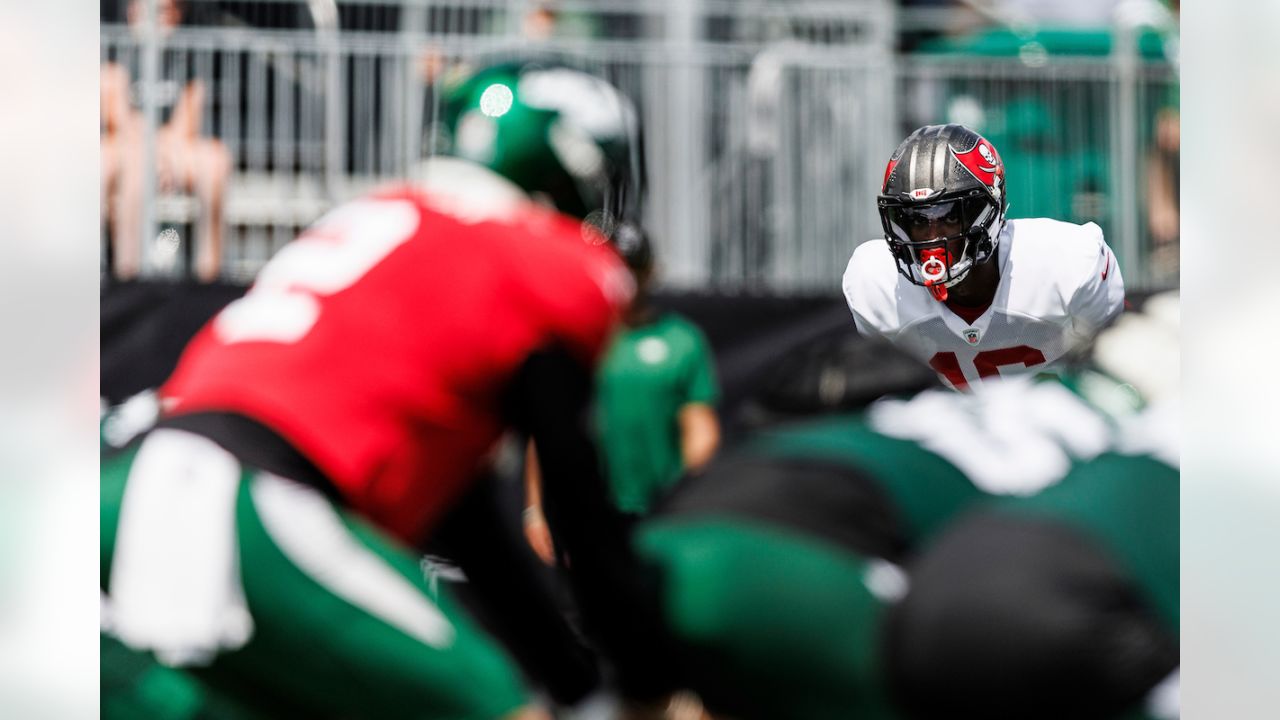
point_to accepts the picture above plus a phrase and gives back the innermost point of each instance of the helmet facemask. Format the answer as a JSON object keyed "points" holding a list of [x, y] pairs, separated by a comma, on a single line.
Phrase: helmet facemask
{"points": [[936, 243]]}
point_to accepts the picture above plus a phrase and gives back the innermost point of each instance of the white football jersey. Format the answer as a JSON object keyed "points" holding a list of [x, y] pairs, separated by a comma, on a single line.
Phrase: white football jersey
{"points": [[1059, 284], [1016, 436]]}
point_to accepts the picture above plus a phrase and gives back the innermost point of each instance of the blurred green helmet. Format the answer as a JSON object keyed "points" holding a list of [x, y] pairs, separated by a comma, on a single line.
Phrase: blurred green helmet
{"points": [[555, 131]]}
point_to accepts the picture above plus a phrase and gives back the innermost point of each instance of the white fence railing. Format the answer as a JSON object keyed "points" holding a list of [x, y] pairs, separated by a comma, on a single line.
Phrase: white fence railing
{"points": [[1076, 138], [767, 124]]}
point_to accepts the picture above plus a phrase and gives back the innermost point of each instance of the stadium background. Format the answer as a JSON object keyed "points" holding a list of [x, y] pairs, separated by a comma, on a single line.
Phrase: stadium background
{"points": [[768, 124], [767, 127]]}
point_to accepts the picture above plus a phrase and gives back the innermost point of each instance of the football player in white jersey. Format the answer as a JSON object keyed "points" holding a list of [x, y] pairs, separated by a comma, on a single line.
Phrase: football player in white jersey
{"points": [[975, 295]]}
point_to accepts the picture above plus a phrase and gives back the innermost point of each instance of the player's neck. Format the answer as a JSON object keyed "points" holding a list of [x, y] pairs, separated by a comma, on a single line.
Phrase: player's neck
{"points": [[979, 288]]}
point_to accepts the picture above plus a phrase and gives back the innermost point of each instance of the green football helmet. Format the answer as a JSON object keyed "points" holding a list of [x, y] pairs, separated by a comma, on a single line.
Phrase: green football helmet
{"points": [[555, 131]]}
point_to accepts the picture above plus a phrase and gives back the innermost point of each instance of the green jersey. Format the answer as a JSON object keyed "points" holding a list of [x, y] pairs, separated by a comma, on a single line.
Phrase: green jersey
{"points": [[1126, 500], [649, 373], [772, 623], [1063, 603], [222, 581], [779, 601]]}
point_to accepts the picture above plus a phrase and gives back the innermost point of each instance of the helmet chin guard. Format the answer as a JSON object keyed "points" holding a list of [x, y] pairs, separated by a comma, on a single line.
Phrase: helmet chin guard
{"points": [[937, 273]]}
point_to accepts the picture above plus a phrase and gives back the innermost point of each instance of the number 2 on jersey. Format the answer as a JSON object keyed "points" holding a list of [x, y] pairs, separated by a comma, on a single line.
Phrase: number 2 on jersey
{"points": [[283, 304], [987, 363]]}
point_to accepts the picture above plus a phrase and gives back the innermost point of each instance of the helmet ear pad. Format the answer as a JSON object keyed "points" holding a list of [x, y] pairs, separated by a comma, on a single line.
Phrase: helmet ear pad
{"points": [[987, 238]]}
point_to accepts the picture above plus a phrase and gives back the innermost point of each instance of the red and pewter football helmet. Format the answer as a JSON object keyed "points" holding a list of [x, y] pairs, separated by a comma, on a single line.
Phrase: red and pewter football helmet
{"points": [[942, 205]]}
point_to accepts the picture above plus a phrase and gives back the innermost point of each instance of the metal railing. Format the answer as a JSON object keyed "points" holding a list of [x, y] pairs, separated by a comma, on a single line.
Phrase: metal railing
{"points": [[768, 124], [1076, 138]]}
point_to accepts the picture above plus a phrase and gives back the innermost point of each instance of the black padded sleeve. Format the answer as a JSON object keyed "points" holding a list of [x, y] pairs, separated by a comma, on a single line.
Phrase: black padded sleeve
{"points": [[618, 597]]}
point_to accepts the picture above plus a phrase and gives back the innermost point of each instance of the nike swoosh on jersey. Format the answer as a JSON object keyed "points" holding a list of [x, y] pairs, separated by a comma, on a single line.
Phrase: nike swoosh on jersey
{"points": [[1107, 269]]}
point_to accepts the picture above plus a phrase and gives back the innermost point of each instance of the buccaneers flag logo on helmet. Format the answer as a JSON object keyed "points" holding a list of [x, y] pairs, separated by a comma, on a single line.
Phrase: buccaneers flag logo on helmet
{"points": [[982, 161]]}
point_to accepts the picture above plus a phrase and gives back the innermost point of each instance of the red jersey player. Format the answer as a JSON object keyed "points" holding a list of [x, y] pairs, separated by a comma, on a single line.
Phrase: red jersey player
{"points": [[317, 431]]}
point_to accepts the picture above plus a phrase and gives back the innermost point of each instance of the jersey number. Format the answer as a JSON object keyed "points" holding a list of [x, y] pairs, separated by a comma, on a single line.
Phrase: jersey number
{"points": [[283, 304], [987, 362]]}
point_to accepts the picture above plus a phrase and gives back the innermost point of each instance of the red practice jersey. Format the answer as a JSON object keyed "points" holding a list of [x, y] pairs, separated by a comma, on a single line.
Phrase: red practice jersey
{"points": [[378, 342]]}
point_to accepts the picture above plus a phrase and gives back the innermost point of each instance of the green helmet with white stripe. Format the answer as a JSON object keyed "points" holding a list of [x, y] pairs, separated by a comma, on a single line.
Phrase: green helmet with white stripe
{"points": [[559, 133]]}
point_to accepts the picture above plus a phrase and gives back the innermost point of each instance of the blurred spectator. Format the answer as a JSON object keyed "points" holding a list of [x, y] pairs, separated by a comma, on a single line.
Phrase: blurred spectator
{"points": [[545, 20], [185, 161], [926, 20], [655, 396], [540, 22], [1163, 171], [1162, 195]]}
